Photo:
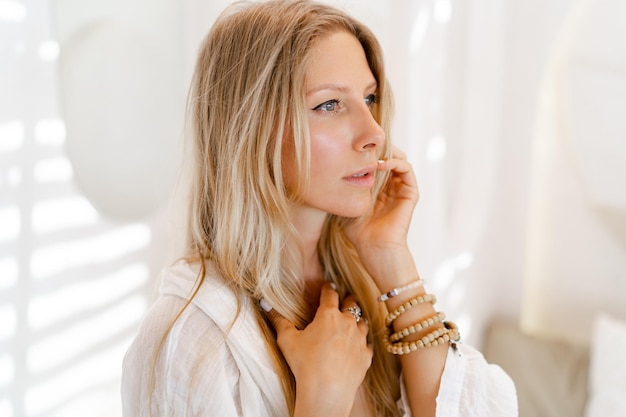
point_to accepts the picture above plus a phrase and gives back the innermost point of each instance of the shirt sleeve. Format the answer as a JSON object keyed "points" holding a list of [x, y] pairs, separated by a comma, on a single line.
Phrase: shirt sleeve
{"points": [[195, 374], [213, 362], [470, 387]]}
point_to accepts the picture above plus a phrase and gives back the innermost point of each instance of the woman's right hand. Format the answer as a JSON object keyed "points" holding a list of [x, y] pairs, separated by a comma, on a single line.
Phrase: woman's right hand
{"points": [[329, 358]]}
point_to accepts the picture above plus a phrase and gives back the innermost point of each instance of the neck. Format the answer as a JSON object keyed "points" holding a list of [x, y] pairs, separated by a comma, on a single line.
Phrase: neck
{"points": [[309, 222]]}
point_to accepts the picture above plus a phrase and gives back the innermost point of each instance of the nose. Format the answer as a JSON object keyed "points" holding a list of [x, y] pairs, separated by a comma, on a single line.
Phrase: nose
{"points": [[369, 134]]}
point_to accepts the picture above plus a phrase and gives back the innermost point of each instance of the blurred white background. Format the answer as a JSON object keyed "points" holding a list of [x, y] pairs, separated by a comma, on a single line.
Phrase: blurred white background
{"points": [[513, 114]]}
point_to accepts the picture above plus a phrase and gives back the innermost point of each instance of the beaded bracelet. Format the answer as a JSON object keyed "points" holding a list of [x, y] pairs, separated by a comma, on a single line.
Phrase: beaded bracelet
{"points": [[426, 298], [416, 327], [448, 333], [396, 291]]}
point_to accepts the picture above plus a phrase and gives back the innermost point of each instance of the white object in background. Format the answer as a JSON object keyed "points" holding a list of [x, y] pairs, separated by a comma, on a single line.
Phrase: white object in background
{"points": [[576, 253], [123, 98], [597, 100]]}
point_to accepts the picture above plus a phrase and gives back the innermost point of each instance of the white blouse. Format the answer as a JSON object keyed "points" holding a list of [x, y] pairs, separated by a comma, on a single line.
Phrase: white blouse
{"points": [[199, 373]]}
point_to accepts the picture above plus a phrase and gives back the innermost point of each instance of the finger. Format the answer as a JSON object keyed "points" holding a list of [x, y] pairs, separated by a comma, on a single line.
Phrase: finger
{"points": [[400, 170], [364, 326], [329, 296], [364, 323], [397, 153], [396, 165], [280, 323], [349, 301], [352, 308]]}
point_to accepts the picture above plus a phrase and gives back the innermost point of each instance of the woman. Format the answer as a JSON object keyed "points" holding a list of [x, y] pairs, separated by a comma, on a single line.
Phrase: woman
{"points": [[298, 295]]}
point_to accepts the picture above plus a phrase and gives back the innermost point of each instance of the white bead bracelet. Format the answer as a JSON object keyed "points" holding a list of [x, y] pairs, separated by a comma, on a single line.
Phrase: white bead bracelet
{"points": [[396, 291]]}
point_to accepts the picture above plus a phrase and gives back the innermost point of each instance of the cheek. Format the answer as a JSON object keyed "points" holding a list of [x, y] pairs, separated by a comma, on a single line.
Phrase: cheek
{"points": [[326, 146]]}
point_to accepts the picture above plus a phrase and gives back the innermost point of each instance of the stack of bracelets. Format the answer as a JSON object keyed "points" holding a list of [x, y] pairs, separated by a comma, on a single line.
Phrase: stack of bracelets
{"points": [[392, 341]]}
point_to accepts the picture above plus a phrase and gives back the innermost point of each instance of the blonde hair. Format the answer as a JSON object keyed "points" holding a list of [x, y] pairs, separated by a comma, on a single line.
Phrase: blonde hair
{"points": [[245, 103]]}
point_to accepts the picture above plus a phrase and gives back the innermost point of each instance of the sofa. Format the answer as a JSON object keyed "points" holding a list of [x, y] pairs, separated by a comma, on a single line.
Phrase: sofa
{"points": [[555, 378]]}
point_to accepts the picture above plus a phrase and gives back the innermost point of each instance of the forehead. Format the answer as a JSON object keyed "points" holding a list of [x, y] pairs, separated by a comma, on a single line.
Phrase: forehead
{"points": [[338, 59]]}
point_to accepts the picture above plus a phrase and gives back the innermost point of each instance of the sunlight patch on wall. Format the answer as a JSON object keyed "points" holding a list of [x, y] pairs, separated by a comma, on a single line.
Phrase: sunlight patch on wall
{"points": [[87, 295], [464, 260], [9, 223], [7, 371], [443, 278], [436, 149], [50, 132], [48, 50], [420, 27], [51, 170], [63, 347], [62, 213], [12, 11], [442, 11], [5, 408], [8, 318], [12, 134], [11, 178], [53, 259], [83, 405], [8, 272], [68, 392]]}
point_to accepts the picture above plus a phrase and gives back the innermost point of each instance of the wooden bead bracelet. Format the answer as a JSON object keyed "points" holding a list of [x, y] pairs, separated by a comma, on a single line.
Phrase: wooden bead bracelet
{"points": [[426, 298], [448, 333], [416, 327]]}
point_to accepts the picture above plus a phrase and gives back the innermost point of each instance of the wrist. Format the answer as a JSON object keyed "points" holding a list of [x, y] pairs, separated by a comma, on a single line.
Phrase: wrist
{"points": [[413, 315], [391, 269]]}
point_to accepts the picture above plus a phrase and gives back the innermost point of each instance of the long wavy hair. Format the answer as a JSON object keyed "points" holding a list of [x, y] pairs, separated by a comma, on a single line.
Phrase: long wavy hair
{"points": [[246, 103]]}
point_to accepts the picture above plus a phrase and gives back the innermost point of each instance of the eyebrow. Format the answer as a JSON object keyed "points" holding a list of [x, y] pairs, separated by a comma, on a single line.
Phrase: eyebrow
{"points": [[338, 87]]}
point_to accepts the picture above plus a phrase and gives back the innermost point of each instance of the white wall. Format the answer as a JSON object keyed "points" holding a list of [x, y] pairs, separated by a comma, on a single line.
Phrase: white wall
{"points": [[576, 263]]}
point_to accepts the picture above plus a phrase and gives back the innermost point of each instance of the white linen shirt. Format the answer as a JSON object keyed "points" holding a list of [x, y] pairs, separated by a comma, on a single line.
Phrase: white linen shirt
{"points": [[201, 373]]}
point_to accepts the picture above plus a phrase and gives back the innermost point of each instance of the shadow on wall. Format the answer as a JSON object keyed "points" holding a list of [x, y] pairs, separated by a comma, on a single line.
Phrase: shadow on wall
{"points": [[83, 172]]}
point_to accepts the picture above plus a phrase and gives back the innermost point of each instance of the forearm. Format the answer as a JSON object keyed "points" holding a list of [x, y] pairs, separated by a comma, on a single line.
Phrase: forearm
{"points": [[422, 368]]}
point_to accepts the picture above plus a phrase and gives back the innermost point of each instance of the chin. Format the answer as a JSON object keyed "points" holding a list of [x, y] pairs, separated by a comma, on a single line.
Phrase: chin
{"points": [[353, 211]]}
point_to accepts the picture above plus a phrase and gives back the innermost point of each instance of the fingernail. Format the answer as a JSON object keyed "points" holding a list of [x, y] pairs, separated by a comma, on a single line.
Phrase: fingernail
{"points": [[265, 306], [332, 284]]}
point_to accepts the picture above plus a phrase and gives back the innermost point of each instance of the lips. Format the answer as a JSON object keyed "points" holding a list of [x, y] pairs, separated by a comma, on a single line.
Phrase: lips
{"points": [[364, 177]]}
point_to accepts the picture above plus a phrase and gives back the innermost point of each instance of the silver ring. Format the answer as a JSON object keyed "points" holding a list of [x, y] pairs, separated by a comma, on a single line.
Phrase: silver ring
{"points": [[355, 311]]}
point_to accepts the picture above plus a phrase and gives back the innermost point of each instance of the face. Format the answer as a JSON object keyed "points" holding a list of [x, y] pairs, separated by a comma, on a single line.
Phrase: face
{"points": [[346, 140]]}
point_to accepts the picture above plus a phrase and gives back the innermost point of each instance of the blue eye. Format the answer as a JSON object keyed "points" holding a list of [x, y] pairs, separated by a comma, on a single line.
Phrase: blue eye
{"points": [[371, 99], [330, 105]]}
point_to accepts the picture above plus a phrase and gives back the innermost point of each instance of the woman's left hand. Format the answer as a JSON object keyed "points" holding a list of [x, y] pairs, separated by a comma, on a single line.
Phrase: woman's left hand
{"points": [[382, 235]]}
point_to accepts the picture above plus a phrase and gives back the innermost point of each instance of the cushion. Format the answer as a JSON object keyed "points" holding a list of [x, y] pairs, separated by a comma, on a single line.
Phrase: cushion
{"points": [[550, 375], [607, 368]]}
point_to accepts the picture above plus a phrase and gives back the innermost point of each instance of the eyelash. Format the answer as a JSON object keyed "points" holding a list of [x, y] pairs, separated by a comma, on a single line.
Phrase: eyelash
{"points": [[370, 99], [373, 99], [321, 106]]}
